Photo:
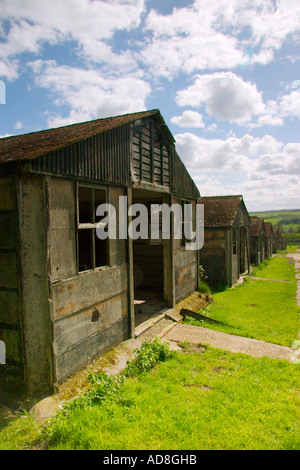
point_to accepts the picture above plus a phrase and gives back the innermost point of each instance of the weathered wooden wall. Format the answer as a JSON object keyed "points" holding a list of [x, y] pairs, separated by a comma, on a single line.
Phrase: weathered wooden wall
{"points": [[185, 266], [148, 265], [12, 373], [37, 325], [213, 255], [89, 309], [103, 157], [151, 154]]}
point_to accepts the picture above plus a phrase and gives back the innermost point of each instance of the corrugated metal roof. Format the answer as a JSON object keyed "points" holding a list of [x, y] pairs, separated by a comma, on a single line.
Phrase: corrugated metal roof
{"points": [[220, 211], [256, 226], [29, 146]]}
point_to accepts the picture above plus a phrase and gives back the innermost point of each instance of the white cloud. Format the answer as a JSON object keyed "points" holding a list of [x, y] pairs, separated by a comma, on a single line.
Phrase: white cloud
{"points": [[90, 23], [168, 57], [263, 170], [18, 125], [225, 96], [207, 35], [285, 162], [88, 94], [290, 104], [189, 119], [236, 154], [5, 135], [9, 69], [76, 19]]}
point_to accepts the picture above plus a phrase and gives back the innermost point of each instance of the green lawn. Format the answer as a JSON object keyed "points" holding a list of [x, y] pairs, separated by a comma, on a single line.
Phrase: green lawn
{"points": [[276, 268], [201, 400], [263, 310], [289, 249]]}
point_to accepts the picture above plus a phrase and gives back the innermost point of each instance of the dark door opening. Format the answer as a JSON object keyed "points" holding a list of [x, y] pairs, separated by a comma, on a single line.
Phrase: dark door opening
{"points": [[148, 267], [243, 251]]}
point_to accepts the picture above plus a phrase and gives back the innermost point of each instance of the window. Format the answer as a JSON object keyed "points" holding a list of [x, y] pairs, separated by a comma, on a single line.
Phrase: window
{"points": [[187, 222], [92, 252], [234, 241]]}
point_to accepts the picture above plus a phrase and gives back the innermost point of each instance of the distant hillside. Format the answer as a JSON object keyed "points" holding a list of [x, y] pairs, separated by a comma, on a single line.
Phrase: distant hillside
{"points": [[289, 220]]}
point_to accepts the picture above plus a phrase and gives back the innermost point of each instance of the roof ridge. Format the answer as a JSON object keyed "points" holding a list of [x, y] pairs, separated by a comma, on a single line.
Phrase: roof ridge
{"points": [[34, 144], [94, 121]]}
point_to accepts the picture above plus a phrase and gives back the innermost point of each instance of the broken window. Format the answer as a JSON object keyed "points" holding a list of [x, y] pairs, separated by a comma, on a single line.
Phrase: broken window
{"points": [[92, 252], [188, 220], [234, 241]]}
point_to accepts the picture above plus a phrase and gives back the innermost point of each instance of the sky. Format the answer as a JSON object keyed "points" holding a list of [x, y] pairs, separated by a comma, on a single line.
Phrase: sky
{"points": [[224, 74]]}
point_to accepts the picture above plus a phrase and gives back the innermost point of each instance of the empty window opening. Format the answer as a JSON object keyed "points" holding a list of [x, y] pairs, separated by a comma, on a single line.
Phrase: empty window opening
{"points": [[92, 252]]}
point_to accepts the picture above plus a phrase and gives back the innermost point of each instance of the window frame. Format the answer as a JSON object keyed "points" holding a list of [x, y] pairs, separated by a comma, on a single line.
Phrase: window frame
{"points": [[235, 240], [90, 226]]}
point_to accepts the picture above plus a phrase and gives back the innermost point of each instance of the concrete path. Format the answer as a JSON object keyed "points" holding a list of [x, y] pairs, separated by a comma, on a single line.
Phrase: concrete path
{"points": [[296, 257], [237, 344], [199, 335], [267, 279]]}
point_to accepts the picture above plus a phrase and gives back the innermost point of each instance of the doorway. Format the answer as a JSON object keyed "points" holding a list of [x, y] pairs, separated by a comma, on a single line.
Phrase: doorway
{"points": [[150, 265], [243, 251]]}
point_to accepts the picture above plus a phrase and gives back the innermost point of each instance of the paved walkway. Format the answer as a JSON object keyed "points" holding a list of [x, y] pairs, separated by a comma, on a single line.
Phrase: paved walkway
{"points": [[267, 279], [199, 335], [237, 344], [296, 257]]}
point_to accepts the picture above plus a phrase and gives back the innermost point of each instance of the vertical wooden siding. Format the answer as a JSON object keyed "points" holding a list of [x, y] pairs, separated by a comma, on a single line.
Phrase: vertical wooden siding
{"points": [[103, 157], [151, 154]]}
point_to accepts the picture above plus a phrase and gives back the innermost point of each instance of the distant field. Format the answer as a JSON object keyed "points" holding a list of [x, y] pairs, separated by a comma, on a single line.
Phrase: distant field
{"points": [[278, 215], [289, 221]]}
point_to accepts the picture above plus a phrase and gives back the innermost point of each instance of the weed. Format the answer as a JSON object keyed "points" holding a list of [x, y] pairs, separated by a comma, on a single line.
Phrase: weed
{"points": [[204, 288], [147, 356]]}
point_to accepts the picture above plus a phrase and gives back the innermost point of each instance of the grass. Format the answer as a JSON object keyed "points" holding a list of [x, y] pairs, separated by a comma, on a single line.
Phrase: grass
{"points": [[276, 268], [289, 249], [200, 399], [208, 399], [263, 310], [21, 433], [203, 288]]}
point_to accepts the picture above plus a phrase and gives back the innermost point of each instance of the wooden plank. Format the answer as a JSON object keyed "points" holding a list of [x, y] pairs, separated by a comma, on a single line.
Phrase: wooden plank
{"points": [[198, 316]]}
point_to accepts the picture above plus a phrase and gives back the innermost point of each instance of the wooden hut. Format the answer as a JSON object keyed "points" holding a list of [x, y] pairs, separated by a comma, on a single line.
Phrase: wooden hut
{"points": [[257, 240], [268, 239], [279, 241], [66, 296], [225, 255]]}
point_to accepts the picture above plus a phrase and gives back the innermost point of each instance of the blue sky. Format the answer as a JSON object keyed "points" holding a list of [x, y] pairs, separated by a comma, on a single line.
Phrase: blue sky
{"points": [[224, 73]]}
